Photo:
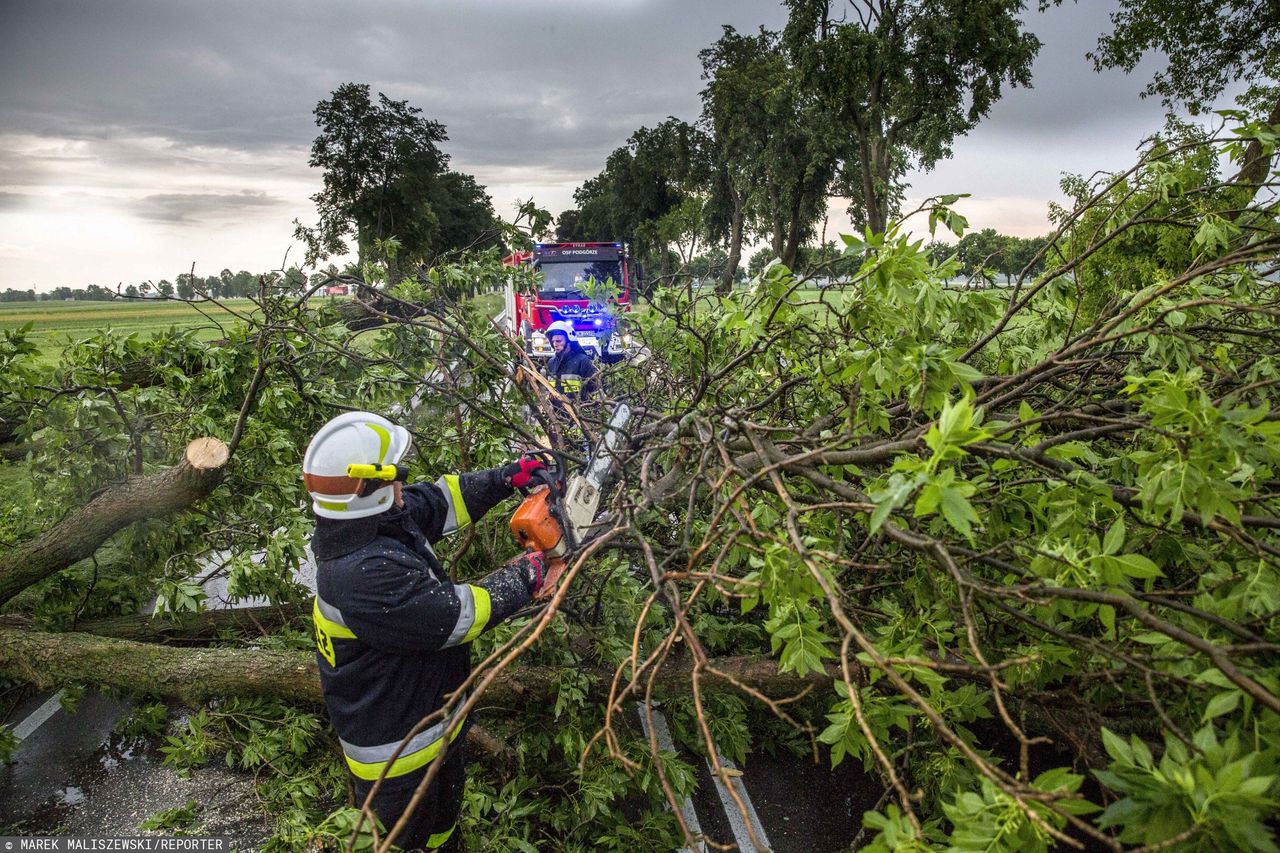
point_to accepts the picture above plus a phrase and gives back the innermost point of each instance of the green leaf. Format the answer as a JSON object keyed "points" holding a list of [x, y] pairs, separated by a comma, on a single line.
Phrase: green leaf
{"points": [[1222, 703], [958, 512], [1116, 747], [1114, 539], [1107, 615], [1138, 566]]}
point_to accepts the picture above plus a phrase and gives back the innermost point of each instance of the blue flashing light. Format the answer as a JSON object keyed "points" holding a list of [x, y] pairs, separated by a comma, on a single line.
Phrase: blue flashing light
{"points": [[599, 322]]}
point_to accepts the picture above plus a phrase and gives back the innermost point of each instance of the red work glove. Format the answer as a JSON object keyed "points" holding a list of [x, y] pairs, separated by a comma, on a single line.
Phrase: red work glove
{"points": [[533, 565], [520, 472]]}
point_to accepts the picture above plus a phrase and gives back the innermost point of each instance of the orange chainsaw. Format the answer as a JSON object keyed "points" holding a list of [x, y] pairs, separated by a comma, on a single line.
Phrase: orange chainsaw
{"points": [[558, 515]]}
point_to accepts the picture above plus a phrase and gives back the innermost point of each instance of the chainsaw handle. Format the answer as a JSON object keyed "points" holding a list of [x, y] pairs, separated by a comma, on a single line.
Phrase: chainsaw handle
{"points": [[552, 476], [548, 478]]}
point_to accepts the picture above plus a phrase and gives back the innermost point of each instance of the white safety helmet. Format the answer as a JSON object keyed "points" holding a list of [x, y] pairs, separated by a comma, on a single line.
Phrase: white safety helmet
{"points": [[563, 327], [351, 438]]}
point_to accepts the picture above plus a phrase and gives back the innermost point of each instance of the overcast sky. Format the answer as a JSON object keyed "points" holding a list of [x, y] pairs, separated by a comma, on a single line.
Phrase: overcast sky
{"points": [[138, 137]]}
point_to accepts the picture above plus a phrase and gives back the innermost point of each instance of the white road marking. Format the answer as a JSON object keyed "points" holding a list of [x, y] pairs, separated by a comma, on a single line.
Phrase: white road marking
{"points": [[663, 736], [37, 717], [741, 834]]}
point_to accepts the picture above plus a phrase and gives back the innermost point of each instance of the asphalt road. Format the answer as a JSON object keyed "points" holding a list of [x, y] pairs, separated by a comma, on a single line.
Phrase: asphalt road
{"points": [[73, 775]]}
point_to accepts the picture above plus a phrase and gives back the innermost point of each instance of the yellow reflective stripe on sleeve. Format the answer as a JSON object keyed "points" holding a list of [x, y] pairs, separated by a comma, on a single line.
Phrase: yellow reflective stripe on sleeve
{"points": [[484, 607], [405, 763], [439, 839], [326, 630], [461, 517]]}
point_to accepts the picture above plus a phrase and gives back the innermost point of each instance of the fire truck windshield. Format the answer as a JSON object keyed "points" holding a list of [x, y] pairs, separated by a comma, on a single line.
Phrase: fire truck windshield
{"points": [[567, 280]]}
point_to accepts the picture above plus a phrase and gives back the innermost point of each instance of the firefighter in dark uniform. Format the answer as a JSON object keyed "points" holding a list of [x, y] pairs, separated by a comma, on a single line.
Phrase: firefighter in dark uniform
{"points": [[572, 372], [392, 631], [571, 369]]}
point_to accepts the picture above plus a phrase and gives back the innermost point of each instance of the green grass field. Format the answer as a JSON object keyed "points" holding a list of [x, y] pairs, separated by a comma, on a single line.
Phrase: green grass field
{"points": [[55, 324]]}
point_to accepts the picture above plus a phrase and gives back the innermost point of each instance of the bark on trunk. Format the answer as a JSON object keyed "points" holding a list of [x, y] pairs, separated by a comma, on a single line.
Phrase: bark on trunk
{"points": [[192, 675], [725, 284], [1257, 163], [188, 674], [791, 247], [195, 628], [82, 533]]}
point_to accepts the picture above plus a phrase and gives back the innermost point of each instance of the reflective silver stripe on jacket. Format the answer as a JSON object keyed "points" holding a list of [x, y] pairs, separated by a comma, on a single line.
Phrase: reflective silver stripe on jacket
{"points": [[382, 754], [466, 614], [331, 613]]}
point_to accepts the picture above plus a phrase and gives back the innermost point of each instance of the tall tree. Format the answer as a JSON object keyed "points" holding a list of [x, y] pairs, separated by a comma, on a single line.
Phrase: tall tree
{"points": [[643, 181], [385, 177], [1208, 44], [902, 79], [770, 142], [569, 226], [464, 212], [365, 150]]}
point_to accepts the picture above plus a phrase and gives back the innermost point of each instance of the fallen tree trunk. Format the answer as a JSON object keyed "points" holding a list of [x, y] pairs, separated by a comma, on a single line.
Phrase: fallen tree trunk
{"points": [[46, 660], [186, 675], [192, 675], [81, 534], [193, 629]]}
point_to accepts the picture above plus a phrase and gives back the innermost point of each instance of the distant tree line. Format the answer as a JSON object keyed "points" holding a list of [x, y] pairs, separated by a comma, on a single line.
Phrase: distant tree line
{"points": [[225, 285], [986, 253]]}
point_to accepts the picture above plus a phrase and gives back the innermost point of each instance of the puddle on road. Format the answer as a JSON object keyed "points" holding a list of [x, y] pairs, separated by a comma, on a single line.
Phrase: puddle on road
{"points": [[52, 816], [124, 782], [70, 796]]}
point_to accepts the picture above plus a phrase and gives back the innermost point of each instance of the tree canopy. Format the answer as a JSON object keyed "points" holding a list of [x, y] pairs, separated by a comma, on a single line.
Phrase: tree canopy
{"points": [[638, 195], [385, 179], [1207, 44], [901, 79], [772, 152]]}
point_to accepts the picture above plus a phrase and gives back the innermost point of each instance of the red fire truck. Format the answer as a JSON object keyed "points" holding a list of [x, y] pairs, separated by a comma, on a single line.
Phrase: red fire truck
{"points": [[566, 273]]}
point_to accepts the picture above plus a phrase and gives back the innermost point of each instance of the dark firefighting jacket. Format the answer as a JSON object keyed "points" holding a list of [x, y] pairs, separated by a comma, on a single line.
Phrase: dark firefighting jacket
{"points": [[573, 372], [392, 631]]}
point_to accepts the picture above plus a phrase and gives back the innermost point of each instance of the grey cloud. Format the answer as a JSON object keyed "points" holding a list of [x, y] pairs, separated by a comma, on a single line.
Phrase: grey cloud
{"points": [[15, 201], [165, 94], [249, 74], [186, 208], [547, 85]]}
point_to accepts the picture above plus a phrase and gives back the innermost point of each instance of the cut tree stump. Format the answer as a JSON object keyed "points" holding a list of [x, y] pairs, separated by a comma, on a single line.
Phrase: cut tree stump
{"points": [[82, 532]]}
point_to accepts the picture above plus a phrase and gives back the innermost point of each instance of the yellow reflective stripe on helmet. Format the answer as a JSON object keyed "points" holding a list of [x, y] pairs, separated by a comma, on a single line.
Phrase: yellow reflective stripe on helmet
{"points": [[458, 516], [337, 507], [384, 440], [439, 839], [327, 627], [484, 607], [370, 771]]}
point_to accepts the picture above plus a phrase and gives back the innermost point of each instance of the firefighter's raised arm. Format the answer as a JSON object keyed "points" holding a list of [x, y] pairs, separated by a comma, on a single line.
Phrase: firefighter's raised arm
{"points": [[456, 500]]}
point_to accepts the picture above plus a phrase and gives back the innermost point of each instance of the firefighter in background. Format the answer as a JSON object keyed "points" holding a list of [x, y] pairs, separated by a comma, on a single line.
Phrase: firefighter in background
{"points": [[392, 631], [571, 369], [572, 372]]}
